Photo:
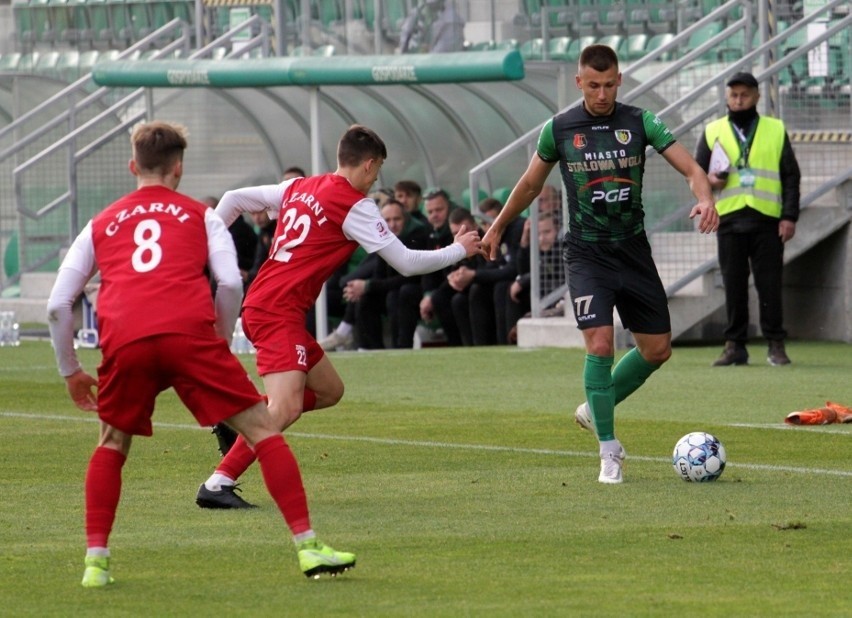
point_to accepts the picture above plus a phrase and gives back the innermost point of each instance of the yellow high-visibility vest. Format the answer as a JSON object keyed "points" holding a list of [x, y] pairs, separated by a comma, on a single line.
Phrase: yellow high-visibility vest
{"points": [[764, 161]]}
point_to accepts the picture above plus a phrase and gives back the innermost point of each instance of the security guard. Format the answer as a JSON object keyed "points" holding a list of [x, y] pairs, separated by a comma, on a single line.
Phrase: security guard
{"points": [[752, 164]]}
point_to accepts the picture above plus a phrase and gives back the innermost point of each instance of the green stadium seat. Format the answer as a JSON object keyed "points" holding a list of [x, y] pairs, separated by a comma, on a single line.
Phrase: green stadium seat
{"points": [[324, 51], [501, 194], [701, 36], [97, 15], [395, 13], [11, 264], [161, 12], [466, 197], [613, 41], [68, 65], [507, 44], [121, 25], [24, 27], [61, 17], [657, 41], [532, 49], [87, 61], [578, 45], [28, 62], [558, 48], [46, 63], [40, 13], [141, 22], [9, 62], [732, 48], [635, 46], [483, 46]]}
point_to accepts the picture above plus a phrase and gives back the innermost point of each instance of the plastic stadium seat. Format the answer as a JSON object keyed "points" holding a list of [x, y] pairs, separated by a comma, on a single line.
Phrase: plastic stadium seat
{"points": [[558, 48], [324, 51], [28, 62], [120, 23], [635, 46], [483, 46], [68, 65], [60, 14], [532, 49], [97, 14], [613, 41], [10, 62], [657, 41], [507, 44], [87, 61], [24, 28], [395, 14], [466, 197], [501, 194], [141, 22], [703, 35], [578, 45], [46, 63], [42, 28]]}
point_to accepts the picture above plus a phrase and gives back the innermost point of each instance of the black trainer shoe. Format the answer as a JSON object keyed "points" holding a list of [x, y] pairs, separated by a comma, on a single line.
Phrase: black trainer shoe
{"points": [[777, 355], [225, 498], [225, 436], [733, 354]]}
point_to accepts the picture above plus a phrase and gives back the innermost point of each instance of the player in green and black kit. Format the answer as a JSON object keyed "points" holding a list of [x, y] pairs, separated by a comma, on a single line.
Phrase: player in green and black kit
{"points": [[600, 148]]}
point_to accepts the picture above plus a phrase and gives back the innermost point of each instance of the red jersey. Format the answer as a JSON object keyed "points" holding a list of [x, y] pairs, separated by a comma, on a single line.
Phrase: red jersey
{"points": [[309, 244], [151, 247]]}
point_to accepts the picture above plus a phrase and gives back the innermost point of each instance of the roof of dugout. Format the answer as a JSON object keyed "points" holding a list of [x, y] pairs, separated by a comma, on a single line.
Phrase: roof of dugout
{"points": [[439, 114]]}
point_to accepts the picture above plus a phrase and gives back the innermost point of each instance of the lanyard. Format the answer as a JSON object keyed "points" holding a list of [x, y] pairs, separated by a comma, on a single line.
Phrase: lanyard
{"points": [[744, 141]]}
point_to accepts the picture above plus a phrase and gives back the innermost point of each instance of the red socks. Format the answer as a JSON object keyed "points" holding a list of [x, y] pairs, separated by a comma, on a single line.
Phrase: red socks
{"points": [[284, 481], [240, 456], [103, 490]]}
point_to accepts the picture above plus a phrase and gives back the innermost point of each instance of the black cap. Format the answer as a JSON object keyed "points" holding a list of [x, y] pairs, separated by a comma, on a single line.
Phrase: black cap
{"points": [[746, 79]]}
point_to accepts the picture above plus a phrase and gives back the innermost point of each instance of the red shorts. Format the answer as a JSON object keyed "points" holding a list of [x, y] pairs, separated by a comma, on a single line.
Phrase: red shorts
{"points": [[209, 380], [283, 343]]}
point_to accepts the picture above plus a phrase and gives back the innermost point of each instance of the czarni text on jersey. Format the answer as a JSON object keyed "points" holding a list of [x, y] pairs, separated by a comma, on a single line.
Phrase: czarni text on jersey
{"points": [[312, 203], [123, 215]]}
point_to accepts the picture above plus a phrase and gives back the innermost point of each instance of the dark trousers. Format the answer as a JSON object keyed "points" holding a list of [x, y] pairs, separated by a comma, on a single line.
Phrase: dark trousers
{"points": [[442, 306], [761, 252], [407, 303], [473, 310]]}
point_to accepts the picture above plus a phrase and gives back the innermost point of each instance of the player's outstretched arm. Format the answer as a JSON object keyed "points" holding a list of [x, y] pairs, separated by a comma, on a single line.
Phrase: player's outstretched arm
{"points": [[470, 241]]}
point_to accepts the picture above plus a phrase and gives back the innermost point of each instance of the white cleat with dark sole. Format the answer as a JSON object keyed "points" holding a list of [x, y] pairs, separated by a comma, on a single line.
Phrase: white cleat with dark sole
{"points": [[611, 463], [583, 417]]}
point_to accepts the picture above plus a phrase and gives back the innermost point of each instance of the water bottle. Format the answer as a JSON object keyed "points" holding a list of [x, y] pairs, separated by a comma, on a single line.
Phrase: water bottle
{"points": [[9, 330]]}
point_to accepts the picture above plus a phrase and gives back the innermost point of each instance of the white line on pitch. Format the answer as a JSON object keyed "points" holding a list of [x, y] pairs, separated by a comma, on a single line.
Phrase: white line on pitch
{"points": [[451, 445]]}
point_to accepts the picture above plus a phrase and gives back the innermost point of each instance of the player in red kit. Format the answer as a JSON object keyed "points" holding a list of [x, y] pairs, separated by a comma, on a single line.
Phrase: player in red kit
{"points": [[160, 328], [321, 221]]}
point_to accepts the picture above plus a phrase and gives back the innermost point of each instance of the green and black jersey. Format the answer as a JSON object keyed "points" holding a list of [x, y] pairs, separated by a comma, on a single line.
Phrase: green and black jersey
{"points": [[602, 160]]}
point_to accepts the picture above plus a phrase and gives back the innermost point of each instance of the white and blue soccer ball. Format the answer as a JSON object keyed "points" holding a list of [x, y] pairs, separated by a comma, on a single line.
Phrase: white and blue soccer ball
{"points": [[699, 457]]}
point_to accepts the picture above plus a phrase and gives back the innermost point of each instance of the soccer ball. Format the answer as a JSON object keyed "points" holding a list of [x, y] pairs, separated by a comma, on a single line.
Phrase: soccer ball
{"points": [[699, 457]]}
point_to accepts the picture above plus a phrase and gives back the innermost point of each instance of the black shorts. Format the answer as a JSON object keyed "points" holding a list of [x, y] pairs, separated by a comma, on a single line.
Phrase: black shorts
{"points": [[621, 275]]}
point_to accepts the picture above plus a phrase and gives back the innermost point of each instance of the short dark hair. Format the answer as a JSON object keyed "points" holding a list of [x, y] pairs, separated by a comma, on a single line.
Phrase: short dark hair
{"points": [[461, 215], [431, 194], [294, 169], [408, 186], [359, 144], [489, 204], [598, 57], [158, 145]]}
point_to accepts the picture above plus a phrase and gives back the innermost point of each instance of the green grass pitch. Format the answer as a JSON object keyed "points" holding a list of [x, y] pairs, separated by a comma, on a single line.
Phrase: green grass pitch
{"points": [[461, 482]]}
